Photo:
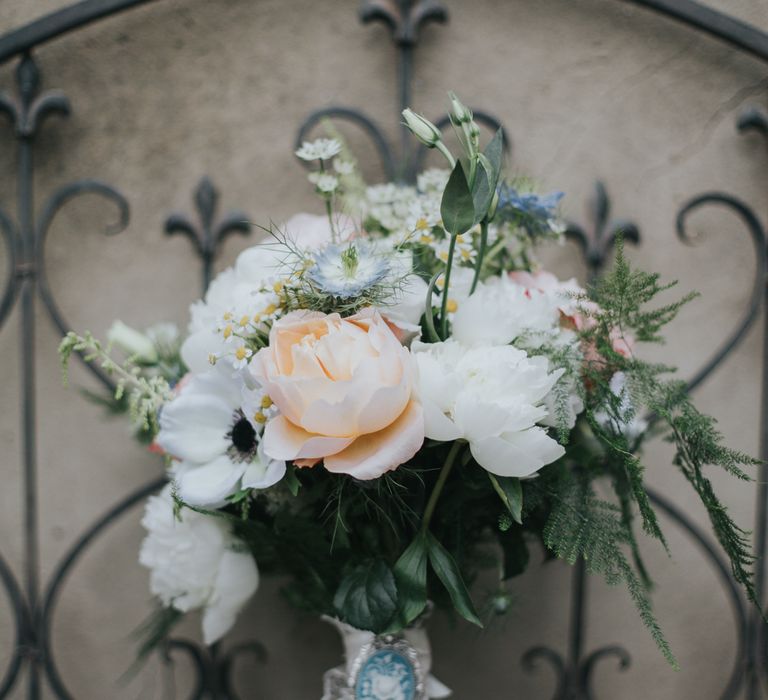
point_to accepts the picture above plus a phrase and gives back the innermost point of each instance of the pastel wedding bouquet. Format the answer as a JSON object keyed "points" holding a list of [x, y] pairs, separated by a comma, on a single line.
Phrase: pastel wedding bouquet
{"points": [[382, 402]]}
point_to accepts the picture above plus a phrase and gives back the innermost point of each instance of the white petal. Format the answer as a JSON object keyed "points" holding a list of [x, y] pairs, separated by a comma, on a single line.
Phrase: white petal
{"points": [[209, 485], [516, 454], [198, 347], [263, 472], [236, 581]]}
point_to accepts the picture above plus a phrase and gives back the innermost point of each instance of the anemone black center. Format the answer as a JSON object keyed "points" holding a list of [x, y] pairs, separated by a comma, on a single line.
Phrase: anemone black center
{"points": [[243, 435]]}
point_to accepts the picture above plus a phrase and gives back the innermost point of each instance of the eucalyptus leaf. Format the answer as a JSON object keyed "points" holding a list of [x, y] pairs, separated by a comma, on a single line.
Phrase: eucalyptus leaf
{"points": [[411, 577], [367, 597], [457, 207], [510, 491], [444, 566]]}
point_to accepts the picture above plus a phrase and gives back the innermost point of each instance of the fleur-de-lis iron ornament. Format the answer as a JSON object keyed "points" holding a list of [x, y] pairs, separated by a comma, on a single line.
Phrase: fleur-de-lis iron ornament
{"points": [[404, 18], [597, 243], [208, 236]]}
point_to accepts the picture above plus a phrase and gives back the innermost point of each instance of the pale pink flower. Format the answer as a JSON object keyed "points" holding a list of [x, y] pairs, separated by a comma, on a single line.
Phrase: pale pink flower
{"points": [[344, 390]]}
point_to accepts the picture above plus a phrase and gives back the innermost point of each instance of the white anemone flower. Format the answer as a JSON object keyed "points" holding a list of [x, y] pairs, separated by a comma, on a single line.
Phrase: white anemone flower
{"points": [[196, 563], [493, 397], [218, 446]]}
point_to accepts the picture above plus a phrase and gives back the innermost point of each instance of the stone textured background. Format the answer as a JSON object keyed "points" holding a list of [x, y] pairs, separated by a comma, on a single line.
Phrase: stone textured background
{"points": [[180, 88]]}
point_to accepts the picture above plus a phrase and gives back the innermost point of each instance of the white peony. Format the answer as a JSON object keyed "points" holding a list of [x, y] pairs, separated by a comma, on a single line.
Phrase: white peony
{"points": [[217, 444], [196, 563], [491, 396], [500, 312]]}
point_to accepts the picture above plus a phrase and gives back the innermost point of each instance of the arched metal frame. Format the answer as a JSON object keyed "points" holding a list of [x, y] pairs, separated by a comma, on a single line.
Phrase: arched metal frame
{"points": [[33, 606]]}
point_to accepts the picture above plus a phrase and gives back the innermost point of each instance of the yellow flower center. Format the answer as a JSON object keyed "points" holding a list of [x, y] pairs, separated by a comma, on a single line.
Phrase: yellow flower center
{"points": [[244, 321], [227, 331], [422, 224], [259, 417], [451, 306], [266, 402], [241, 353], [270, 309], [278, 287]]}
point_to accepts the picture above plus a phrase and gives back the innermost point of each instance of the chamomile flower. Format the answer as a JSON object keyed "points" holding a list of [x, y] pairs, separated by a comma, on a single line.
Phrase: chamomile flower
{"points": [[241, 357], [321, 149]]}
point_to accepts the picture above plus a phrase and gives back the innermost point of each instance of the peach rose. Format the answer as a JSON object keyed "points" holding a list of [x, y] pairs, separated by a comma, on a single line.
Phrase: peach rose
{"points": [[344, 390]]}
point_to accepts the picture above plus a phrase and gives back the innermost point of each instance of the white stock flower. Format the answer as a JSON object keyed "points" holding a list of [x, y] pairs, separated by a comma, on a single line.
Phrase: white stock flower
{"points": [[196, 563], [320, 149], [217, 444], [493, 397]]}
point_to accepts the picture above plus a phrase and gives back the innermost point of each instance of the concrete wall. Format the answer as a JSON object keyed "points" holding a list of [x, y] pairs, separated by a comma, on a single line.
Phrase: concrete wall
{"points": [[180, 88]]}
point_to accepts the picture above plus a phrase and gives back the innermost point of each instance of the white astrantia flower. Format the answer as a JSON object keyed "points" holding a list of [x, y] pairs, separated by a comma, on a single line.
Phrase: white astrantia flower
{"points": [[214, 432], [196, 563], [491, 396], [320, 149]]}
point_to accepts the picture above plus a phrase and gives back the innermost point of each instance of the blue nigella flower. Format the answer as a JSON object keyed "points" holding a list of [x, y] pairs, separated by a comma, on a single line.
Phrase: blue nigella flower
{"points": [[536, 213], [348, 270]]}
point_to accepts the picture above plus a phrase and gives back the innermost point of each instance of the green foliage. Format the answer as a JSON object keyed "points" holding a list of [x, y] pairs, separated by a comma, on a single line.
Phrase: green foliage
{"points": [[510, 491], [411, 576], [457, 208], [444, 566], [367, 596], [583, 527]]}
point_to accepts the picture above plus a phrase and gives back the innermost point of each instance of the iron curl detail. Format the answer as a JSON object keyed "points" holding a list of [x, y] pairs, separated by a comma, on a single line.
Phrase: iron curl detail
{"points": [[757, 234], [52, 207], [62, 570], [11, 288]]}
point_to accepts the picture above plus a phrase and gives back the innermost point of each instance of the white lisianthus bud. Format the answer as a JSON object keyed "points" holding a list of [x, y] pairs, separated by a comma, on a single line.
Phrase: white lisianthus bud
{"points": [[132, 342], [422, 128], [461, 113]]}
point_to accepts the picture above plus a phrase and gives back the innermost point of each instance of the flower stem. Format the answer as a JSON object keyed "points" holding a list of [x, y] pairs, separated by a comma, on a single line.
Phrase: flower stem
{"points": [[444, 307], [440, 146], [435, 495], [480, 254], [328, 207]]}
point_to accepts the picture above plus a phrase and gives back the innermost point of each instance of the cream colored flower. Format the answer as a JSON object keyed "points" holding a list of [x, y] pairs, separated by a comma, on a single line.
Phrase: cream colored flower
{"points": [[344, 390]]}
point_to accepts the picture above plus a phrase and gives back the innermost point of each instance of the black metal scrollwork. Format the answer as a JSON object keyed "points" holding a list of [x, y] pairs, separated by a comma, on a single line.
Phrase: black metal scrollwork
{"points": [[24, 240]]}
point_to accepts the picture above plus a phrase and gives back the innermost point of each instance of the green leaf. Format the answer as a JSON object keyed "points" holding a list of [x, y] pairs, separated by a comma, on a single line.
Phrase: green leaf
{"points": [[444, 565], [411, 576], [494, 152], [367, 597], [482, 192], [510, 491], [457, 207], [292, 481]]}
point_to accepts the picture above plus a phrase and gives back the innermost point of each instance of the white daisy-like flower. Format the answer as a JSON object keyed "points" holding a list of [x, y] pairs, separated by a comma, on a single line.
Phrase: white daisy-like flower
{"points": [[196, 563], [242, 355], [218, 446], [325, 182], [320, 149], [433, 180]]}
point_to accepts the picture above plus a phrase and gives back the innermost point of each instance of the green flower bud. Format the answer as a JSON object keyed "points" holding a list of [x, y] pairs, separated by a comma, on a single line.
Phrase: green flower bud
{"points": [[422, 128], [461, 113]]}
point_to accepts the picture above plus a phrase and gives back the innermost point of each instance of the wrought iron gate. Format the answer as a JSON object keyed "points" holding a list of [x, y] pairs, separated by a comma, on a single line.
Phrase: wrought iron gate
{"points": [[33, 601]]}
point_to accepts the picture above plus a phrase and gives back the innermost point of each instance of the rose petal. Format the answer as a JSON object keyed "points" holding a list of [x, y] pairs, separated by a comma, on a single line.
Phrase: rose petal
{"points": [[372, 455], [285, 441]]}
